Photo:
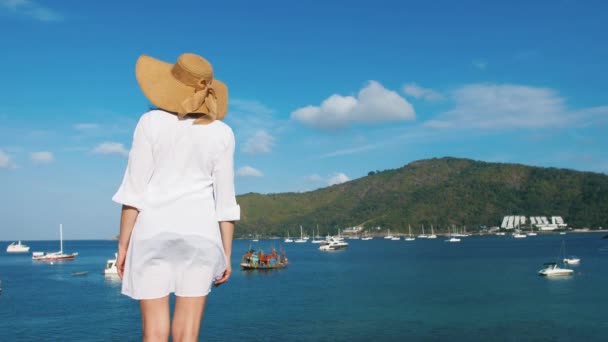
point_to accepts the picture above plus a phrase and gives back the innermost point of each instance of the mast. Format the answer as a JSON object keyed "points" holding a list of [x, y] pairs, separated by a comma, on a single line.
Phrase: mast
{"points": [[61, 238]]}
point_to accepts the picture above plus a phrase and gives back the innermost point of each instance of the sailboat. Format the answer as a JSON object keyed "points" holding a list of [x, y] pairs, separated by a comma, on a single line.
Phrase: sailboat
{"points": [[410, 237], [42, 256], [432, 236], [256, 238], [317, 238], [531, 233], [366, 237], [288, 239], [388, 235], [301, 239], [571, 259], [423, 236]]}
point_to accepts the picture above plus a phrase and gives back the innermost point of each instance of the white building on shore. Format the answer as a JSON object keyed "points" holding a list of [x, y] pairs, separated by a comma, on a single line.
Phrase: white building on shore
{"points": [[538, 222]]}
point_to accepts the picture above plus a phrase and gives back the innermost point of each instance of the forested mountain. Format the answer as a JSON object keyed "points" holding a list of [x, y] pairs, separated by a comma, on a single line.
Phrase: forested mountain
{"points": [[441, 191]]}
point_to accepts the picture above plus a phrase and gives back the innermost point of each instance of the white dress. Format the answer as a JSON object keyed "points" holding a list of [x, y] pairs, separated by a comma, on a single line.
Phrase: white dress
{"points": [[180, 177]]}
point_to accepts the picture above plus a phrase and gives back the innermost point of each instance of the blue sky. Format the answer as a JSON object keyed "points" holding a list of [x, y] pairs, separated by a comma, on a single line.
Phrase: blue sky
{"points": [[320, 92]]}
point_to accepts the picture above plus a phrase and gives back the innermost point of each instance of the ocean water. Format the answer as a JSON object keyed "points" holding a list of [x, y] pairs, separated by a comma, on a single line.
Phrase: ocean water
{"points": [[482, 289]]}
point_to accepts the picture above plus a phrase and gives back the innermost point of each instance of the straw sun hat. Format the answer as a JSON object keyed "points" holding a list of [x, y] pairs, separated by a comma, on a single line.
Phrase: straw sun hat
{"points": [[186, 87]]}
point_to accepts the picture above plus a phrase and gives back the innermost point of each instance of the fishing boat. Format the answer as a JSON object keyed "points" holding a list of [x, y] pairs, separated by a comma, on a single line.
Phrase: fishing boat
{"points": [[111, 266], [54, 256], [333, 244], [258, 260], [552, 269], [17, 247]]}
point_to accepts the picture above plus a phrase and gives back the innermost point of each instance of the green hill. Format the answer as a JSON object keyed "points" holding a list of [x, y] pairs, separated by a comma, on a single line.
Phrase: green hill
{"points": [[441, 191]]}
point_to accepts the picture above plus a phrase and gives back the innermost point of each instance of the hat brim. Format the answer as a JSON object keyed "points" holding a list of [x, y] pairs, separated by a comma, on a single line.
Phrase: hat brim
{"points": [[164, 91]]}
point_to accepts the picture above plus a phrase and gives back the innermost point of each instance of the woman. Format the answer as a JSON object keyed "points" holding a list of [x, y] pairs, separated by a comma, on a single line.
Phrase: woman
{"points": [[178, 197]]}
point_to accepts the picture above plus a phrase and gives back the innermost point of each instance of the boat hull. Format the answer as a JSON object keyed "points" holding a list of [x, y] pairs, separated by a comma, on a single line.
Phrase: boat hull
{"points": [[54, 257], [246, 266]]}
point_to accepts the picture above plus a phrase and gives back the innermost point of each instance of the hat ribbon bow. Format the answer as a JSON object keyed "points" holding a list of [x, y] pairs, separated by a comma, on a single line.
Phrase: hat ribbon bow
{"points": [[205, 95]]}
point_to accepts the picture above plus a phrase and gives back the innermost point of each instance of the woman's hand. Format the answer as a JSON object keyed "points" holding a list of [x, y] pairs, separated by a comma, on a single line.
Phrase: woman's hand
{"points": [[225, 276], [120, 261]]}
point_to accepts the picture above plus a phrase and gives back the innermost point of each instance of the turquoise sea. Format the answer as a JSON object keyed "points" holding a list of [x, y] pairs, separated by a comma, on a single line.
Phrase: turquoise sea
{"points": [[482, 289]]}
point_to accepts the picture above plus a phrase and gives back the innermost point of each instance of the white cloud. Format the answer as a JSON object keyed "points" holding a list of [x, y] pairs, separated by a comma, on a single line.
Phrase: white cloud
{"points": [[418, 92], [31, 9], [374, 103], [480, 64], [111, 148], [314, 178], [85, 126], [42, 157], [337, 178], [507, 106], [6, 161], [260, 142], [248, 171]]}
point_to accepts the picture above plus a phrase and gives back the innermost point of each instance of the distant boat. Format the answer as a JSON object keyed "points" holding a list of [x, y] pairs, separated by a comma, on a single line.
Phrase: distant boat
{"points": [[388, 235], [519, 235], [54, 256], [333, 245], [571, 259], [532, 233], [395, 238], [453, 239], [17, 247], [317, 238], [78, 274], [301, 239], [552, 269], [111, 266], [257, 260], [423, 236], [501, 233], [432, 236], [410, 237], [255, 239], [366, 237], [288, 239]]}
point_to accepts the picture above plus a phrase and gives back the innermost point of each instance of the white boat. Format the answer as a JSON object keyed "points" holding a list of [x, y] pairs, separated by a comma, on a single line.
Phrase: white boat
{"points": [[333, 244], [519, 235], [532, 233], [317, 238], [453, 239], [432, 236], [54, 256], [301, 239], [395, 238], [551, 269], [17, 247], [288, 239], [256, 238], [366, 237], [423, 236], [562, 233], [410, 237], [111, 266], [572, 260], [388, 235], [501, 233]]}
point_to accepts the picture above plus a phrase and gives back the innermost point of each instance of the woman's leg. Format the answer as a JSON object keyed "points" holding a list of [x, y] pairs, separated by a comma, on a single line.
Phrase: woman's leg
{"points": [[187, 318], [155, 319]]}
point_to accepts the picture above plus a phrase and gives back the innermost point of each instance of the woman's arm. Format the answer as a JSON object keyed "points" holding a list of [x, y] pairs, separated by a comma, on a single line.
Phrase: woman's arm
{"points": [[127, 221], [227, 231]]}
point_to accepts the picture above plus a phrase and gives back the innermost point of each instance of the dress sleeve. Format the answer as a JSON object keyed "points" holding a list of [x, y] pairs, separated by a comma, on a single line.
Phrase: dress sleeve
{"points": [[226, 208], [139, 169]]}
